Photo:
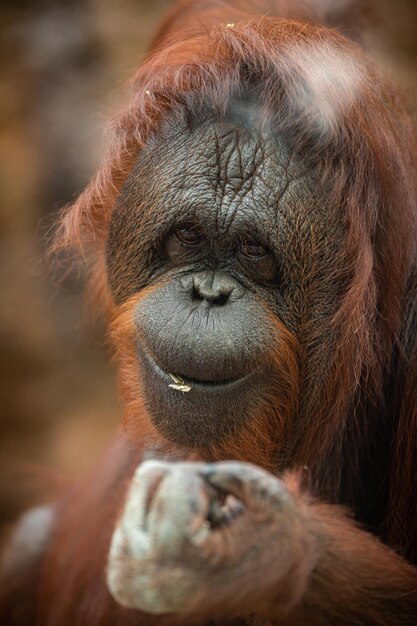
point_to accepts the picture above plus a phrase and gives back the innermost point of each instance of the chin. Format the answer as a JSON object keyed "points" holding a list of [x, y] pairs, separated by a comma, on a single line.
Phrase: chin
{"points": [[203, 415]]}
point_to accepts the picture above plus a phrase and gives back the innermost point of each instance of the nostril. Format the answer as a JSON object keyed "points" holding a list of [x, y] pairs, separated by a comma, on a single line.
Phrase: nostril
{"points": [[206, 295], [220, 299], [195, 294], [212, 289]]}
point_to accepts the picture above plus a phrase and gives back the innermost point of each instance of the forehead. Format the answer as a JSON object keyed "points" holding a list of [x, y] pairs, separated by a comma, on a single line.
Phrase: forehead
{"points": [[234, 183], [225, 176]]}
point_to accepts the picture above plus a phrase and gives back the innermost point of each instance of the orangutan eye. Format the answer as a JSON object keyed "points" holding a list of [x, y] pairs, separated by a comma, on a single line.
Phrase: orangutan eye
{"points": [[189, 234], [253, 249]]}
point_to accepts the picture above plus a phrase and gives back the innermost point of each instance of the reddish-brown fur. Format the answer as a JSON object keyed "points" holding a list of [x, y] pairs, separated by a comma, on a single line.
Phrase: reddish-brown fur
{"points": [[371, 142]]}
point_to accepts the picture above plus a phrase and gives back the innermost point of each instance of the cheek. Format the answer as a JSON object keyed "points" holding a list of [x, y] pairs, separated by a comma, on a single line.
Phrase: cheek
{"points": [[132, 249]]}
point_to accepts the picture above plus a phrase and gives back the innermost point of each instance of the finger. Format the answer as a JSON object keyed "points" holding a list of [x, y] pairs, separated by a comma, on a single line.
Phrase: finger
{"points": [[145, 483], [178, 512], [252, 485]]}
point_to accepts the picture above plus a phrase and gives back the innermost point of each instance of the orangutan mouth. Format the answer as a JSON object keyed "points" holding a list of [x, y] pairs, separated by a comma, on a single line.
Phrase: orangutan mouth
{"points": [[185, 384]]}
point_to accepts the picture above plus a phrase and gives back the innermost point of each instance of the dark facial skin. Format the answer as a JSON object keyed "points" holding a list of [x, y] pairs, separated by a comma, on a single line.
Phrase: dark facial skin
{"points": [[221, 219]]}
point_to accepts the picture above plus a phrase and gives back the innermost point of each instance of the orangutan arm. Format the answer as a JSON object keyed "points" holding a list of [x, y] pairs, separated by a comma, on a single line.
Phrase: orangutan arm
{"points": [[230, 539]]}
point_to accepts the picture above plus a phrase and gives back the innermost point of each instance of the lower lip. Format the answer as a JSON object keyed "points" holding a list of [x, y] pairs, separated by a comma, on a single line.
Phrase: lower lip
{"points": [[196, 386]]}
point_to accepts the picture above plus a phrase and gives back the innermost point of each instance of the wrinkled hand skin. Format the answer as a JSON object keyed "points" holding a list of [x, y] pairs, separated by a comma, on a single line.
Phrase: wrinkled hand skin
{"points": [[193, 537]]}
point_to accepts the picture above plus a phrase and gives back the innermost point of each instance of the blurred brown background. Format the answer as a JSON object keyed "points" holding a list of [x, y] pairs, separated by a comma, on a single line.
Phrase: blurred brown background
{"points": [[63, 68]]}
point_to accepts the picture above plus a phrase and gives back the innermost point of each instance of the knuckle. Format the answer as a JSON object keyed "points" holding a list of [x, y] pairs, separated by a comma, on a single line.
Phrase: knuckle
{"points": [[150, 466]]}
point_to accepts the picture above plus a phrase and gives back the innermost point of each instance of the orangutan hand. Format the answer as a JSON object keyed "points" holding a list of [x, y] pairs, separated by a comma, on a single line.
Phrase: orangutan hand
{"points": [[193, 537]]}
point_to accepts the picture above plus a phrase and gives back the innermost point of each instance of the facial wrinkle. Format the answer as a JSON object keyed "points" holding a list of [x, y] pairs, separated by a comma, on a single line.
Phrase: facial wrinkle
{"points": [[260, 174], [238, 170]]}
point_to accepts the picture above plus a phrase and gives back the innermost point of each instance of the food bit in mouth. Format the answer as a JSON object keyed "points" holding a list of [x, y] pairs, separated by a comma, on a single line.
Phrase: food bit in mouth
{"points": [[179, 384]]}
